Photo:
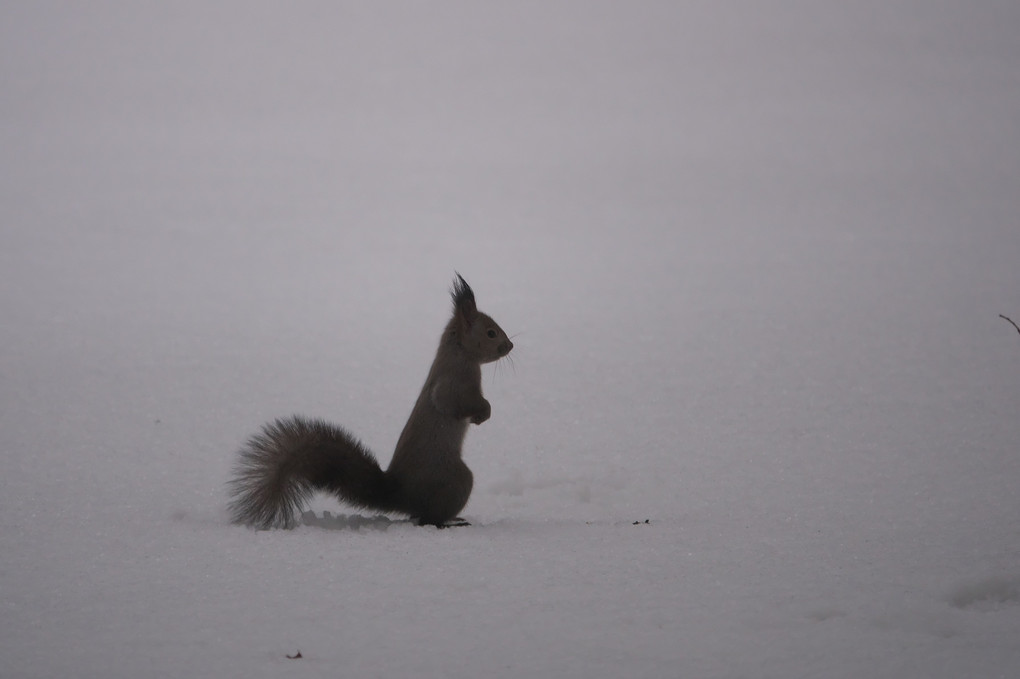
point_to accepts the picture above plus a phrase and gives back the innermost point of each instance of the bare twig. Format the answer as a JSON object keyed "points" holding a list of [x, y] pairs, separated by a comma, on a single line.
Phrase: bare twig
{"points": [[1011, 322]]}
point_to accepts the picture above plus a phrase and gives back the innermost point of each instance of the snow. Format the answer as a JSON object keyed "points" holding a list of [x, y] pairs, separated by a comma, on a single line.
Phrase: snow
{"points": [[762, 415]]}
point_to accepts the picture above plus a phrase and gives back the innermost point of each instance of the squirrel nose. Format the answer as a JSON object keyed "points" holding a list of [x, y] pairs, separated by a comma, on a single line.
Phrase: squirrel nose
{"points": [[505, 347]]}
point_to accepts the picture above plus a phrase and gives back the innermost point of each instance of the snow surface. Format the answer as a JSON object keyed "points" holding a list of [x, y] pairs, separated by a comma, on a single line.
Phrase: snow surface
{"points": [[762, 417]]}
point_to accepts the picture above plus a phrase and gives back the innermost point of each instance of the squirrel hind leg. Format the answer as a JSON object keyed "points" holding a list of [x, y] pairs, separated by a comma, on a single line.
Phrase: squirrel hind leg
{"points": [[436, 501], [440, 507]]}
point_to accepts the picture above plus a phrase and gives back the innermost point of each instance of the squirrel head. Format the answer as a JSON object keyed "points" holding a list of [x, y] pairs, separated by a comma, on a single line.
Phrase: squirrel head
{"points": [[475, 332]]}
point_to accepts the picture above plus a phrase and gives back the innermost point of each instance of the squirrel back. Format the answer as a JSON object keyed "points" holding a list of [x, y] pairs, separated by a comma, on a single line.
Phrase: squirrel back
{"points": [[290, 459]]}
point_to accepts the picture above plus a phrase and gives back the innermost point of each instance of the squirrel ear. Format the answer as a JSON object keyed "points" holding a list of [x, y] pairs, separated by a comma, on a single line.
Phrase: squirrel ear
{"points": [[463, 300]]}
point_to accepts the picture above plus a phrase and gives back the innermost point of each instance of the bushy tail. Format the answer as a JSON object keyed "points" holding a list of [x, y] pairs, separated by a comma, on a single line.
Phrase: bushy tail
{"points": [[290, 459]]}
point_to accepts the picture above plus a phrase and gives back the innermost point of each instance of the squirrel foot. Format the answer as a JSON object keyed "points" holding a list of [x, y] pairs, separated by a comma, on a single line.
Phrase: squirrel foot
{"points": [[455, 522]]}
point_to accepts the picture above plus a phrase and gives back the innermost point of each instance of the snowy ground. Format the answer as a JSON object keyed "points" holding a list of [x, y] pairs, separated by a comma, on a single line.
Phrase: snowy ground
{"points": [[754, 254]]}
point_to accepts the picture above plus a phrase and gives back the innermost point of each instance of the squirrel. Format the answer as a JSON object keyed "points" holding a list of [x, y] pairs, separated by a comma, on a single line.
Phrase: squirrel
{"points": [[283, 465]]}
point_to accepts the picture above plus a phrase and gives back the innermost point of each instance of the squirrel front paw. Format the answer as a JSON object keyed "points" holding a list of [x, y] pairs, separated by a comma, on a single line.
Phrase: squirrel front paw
{"points": [[483, 413]]}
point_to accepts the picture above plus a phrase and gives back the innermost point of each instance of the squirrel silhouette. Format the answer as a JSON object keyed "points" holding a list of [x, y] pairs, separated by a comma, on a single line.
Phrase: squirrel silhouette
{"points": [[280, 467]]}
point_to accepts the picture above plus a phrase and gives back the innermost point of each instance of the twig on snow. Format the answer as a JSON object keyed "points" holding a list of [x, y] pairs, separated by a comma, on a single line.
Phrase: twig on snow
{"points": [[1011, 322]]}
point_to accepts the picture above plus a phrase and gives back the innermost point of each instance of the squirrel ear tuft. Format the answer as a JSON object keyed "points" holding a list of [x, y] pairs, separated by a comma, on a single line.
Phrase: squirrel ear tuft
{"points": [[463, 299]]}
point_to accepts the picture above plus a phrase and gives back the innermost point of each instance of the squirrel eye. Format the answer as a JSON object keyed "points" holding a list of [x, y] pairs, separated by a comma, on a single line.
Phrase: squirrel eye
{"points": [[491, 333]]}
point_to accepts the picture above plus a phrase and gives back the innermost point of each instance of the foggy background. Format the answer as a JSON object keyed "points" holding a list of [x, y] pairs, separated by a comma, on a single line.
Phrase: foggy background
{"points": [[752, 257]]}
